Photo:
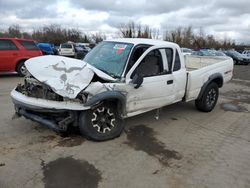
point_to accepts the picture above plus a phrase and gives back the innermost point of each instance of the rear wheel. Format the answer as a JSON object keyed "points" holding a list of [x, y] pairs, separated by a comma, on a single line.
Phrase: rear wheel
{"points": [[21, 69], [209, 98], [101, 123]]}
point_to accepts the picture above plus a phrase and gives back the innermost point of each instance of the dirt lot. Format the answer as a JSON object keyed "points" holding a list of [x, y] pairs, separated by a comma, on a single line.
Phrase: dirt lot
{"points": [[184, 148]]}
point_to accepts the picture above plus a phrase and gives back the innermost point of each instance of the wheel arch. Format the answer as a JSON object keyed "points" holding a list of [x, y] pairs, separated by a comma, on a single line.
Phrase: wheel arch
{"points": [[216, 78], [20, 61], [112, 96]]}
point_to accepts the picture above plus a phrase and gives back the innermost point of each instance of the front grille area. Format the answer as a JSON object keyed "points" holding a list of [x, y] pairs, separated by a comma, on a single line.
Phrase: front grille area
{"points": [[33, 88]]}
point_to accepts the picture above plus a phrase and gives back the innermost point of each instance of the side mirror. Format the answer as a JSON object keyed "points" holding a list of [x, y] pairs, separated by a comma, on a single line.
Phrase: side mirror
{"points": [[137, 81]]}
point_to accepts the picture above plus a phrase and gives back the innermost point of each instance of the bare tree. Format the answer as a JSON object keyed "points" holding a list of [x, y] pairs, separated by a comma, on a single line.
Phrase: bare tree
{"points": [[14, 31], [184, 36], [132, 30], [98, 37]]}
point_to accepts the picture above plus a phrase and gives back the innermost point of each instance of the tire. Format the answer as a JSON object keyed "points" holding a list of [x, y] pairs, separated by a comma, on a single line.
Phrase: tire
{"points": [[209, 98], [101, 123], [21, 69]]}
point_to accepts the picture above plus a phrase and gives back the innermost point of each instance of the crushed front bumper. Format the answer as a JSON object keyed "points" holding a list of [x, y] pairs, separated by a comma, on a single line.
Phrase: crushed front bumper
{"points": [[56, 115]]}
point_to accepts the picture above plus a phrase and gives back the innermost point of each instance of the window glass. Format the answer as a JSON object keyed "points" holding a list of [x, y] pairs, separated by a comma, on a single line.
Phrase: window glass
{"points": [[109, 57], [7, 45], [28, 45], [151, 65], [66, 46], [177, 62], [136, 54], [169, 54]]}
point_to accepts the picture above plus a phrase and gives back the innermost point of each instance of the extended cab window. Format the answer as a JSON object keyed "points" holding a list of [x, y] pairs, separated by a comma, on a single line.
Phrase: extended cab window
{"points": [[177, 62], [29, 45], [7, 45], [151, 65]]}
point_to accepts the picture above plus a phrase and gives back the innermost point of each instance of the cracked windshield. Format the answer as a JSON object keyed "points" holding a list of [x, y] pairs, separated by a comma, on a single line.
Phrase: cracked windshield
{"points": [[109, 57]]}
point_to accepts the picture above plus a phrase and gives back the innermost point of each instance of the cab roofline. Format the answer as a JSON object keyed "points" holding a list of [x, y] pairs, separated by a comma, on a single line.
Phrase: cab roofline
{"points": [[137, 41]]}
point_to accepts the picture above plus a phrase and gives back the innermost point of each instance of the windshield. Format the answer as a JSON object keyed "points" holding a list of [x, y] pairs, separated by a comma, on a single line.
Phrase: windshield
{"points": [[109, 57], [66, 46]]}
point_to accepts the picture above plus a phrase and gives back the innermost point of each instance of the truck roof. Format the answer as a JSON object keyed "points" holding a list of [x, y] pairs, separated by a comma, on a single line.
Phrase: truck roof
{"points": [[137, 41]]}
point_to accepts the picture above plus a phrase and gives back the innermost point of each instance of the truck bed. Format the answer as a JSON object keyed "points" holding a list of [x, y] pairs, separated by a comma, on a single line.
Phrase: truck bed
{"points": [[199, 69], [198, 62]]}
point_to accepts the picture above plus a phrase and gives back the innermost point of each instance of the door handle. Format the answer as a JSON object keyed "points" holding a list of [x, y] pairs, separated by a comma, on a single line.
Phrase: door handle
{"points": [[14, 53], [170, 82]]}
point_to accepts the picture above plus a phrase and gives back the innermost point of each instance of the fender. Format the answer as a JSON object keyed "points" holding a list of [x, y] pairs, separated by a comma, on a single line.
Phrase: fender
{"points": [[108, 95], [217, 78]]}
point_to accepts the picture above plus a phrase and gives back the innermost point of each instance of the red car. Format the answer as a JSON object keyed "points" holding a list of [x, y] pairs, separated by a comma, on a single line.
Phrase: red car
{"points": [[14, 52]]}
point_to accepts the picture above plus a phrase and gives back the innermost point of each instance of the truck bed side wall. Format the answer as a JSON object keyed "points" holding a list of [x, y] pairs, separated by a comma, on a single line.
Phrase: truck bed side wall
{"points": [[198, 77]]}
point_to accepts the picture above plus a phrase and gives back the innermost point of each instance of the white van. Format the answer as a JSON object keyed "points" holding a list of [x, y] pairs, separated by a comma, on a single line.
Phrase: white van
{"points": [[67, 49]]}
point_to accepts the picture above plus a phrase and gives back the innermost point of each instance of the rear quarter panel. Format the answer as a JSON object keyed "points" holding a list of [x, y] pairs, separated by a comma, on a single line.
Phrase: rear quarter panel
{"points": [[197, 78]]}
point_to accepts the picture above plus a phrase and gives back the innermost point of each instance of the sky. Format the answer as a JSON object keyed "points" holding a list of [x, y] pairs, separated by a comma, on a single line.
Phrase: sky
{"points": [[222, 18]]}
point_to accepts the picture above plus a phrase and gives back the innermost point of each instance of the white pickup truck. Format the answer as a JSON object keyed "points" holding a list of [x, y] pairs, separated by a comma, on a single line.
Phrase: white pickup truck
{"points": [[117, 79]]}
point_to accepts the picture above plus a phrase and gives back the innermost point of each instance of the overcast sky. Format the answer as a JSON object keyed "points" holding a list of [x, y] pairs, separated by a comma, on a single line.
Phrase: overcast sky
{"points": [[223, 18]]}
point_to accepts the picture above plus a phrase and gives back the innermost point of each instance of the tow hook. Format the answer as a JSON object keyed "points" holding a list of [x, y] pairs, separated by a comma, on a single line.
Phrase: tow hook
{"points": [[65, 122]]}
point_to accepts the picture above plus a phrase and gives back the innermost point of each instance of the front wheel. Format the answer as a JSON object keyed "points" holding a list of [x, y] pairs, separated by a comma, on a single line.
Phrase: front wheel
{"points": [[101, 123], [208, 99]]}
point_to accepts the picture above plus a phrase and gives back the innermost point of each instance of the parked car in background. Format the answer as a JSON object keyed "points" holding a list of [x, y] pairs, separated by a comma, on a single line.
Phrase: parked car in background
{"points": [[80, 52], [56, 50], [46, 48], [202, 53], [14, 52], [217, 53], [85, 46], [246, 53], [72, 50], [186, 51], [67, 49], [208, 52], [238, 58]]}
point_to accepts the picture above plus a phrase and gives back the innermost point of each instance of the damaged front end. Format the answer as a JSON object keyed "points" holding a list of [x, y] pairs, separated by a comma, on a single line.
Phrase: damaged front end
{"points": [[54, 95], [34, 88], [56, 118]]}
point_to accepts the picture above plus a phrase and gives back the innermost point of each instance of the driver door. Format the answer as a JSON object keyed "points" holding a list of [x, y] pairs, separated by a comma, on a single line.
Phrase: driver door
{"points": [[157, 89]]}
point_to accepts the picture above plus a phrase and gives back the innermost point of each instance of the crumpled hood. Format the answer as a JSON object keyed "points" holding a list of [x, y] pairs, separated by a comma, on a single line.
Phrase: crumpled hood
{"points": [[66, 76]]}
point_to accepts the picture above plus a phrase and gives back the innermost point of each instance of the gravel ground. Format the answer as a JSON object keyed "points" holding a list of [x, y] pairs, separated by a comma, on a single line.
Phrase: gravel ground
{"points": [[242, 72]]}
